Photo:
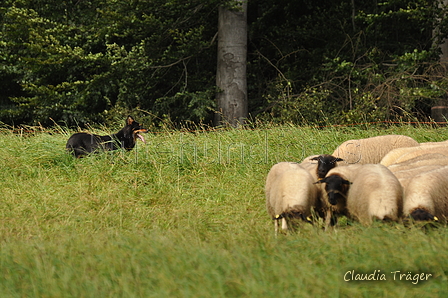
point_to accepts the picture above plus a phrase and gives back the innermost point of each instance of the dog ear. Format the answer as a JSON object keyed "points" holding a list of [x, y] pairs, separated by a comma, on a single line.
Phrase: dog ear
{"points": [[129, 120]]}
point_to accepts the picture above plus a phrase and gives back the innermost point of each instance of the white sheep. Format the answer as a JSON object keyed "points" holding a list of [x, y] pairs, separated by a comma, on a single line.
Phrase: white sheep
{"points": [[426, 150], [275, 171], [371, 150], [290, 195], [406, 153], [316, 165], [391, 157], [426, 196], [404, 177], [423, 160], [364, 192], [405, 171], [434, 143]]}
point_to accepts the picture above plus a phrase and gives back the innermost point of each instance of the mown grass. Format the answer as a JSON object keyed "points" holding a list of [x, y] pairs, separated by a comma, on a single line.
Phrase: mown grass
{"points": [[184, 216]]}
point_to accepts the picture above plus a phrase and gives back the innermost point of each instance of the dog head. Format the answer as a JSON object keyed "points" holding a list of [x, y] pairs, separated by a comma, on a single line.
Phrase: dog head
{"points": [[130, 133], [135, 129]]}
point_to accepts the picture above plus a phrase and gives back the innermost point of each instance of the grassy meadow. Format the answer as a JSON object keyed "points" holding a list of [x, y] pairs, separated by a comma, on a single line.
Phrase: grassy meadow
{"points": [[184, 216]]}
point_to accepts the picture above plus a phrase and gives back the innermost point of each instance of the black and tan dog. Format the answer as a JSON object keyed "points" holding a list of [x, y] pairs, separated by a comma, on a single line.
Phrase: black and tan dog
{"points": [[83, 143]]}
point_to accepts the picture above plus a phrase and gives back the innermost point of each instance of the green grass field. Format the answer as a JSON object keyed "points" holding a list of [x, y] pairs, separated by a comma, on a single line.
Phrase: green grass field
{"points": [[184, 216]]}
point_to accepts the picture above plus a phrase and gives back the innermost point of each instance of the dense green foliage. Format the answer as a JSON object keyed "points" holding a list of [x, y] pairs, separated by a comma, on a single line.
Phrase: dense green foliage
{"points": [[76, 62], [184, 216]]}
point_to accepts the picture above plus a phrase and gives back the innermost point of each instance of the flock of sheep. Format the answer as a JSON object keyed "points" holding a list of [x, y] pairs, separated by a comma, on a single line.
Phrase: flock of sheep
{"points": [[387, 178]]}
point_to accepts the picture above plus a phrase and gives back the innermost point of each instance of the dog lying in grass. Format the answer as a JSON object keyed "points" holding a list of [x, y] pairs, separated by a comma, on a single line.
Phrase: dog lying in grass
{"points": [[83, 143]]}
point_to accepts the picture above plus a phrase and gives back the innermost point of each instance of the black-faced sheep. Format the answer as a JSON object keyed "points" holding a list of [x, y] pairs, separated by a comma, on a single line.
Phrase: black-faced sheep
{"points": [[371, 150], [320, 164], [290, 195], [364, 192], [426, 196]]}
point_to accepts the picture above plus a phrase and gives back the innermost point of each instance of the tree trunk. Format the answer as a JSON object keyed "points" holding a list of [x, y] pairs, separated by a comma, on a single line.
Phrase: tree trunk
{"points": [[231, 97], [444, 45], [437, 112]]}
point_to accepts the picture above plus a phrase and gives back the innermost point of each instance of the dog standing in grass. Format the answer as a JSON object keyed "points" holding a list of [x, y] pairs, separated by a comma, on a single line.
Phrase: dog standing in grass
{"points": [[83, 143]]}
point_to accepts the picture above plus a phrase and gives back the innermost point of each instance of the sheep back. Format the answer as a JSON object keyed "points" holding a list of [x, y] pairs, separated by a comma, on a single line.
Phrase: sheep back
{"points": [[293, 191], [442, 149], [434, 143], [275, 171], [399, 155], [405, 171], [371, 150], [428, 159]]}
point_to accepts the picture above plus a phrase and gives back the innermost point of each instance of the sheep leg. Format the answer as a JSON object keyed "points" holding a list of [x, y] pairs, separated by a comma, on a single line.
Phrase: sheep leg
{"points": [[284, 224], [328, 216], [276, 226]]}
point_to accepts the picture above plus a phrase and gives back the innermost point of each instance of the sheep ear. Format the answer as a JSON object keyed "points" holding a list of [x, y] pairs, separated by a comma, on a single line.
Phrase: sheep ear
{"points": [[346, 182], [315, 158], [338, 159], [320, 181]]}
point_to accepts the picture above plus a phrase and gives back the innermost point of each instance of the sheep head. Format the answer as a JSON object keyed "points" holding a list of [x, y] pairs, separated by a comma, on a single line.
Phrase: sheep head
{"points": [[423, 214], [325, 163], [294, 214], [336, 188]]}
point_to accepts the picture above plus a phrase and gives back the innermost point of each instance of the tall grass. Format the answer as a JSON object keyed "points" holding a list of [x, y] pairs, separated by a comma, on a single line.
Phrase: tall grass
{"points": [[184, 216]]}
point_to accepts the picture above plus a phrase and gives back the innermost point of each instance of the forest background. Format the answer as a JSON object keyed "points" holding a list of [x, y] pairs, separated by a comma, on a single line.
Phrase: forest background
{"points": [[79, 62]]}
